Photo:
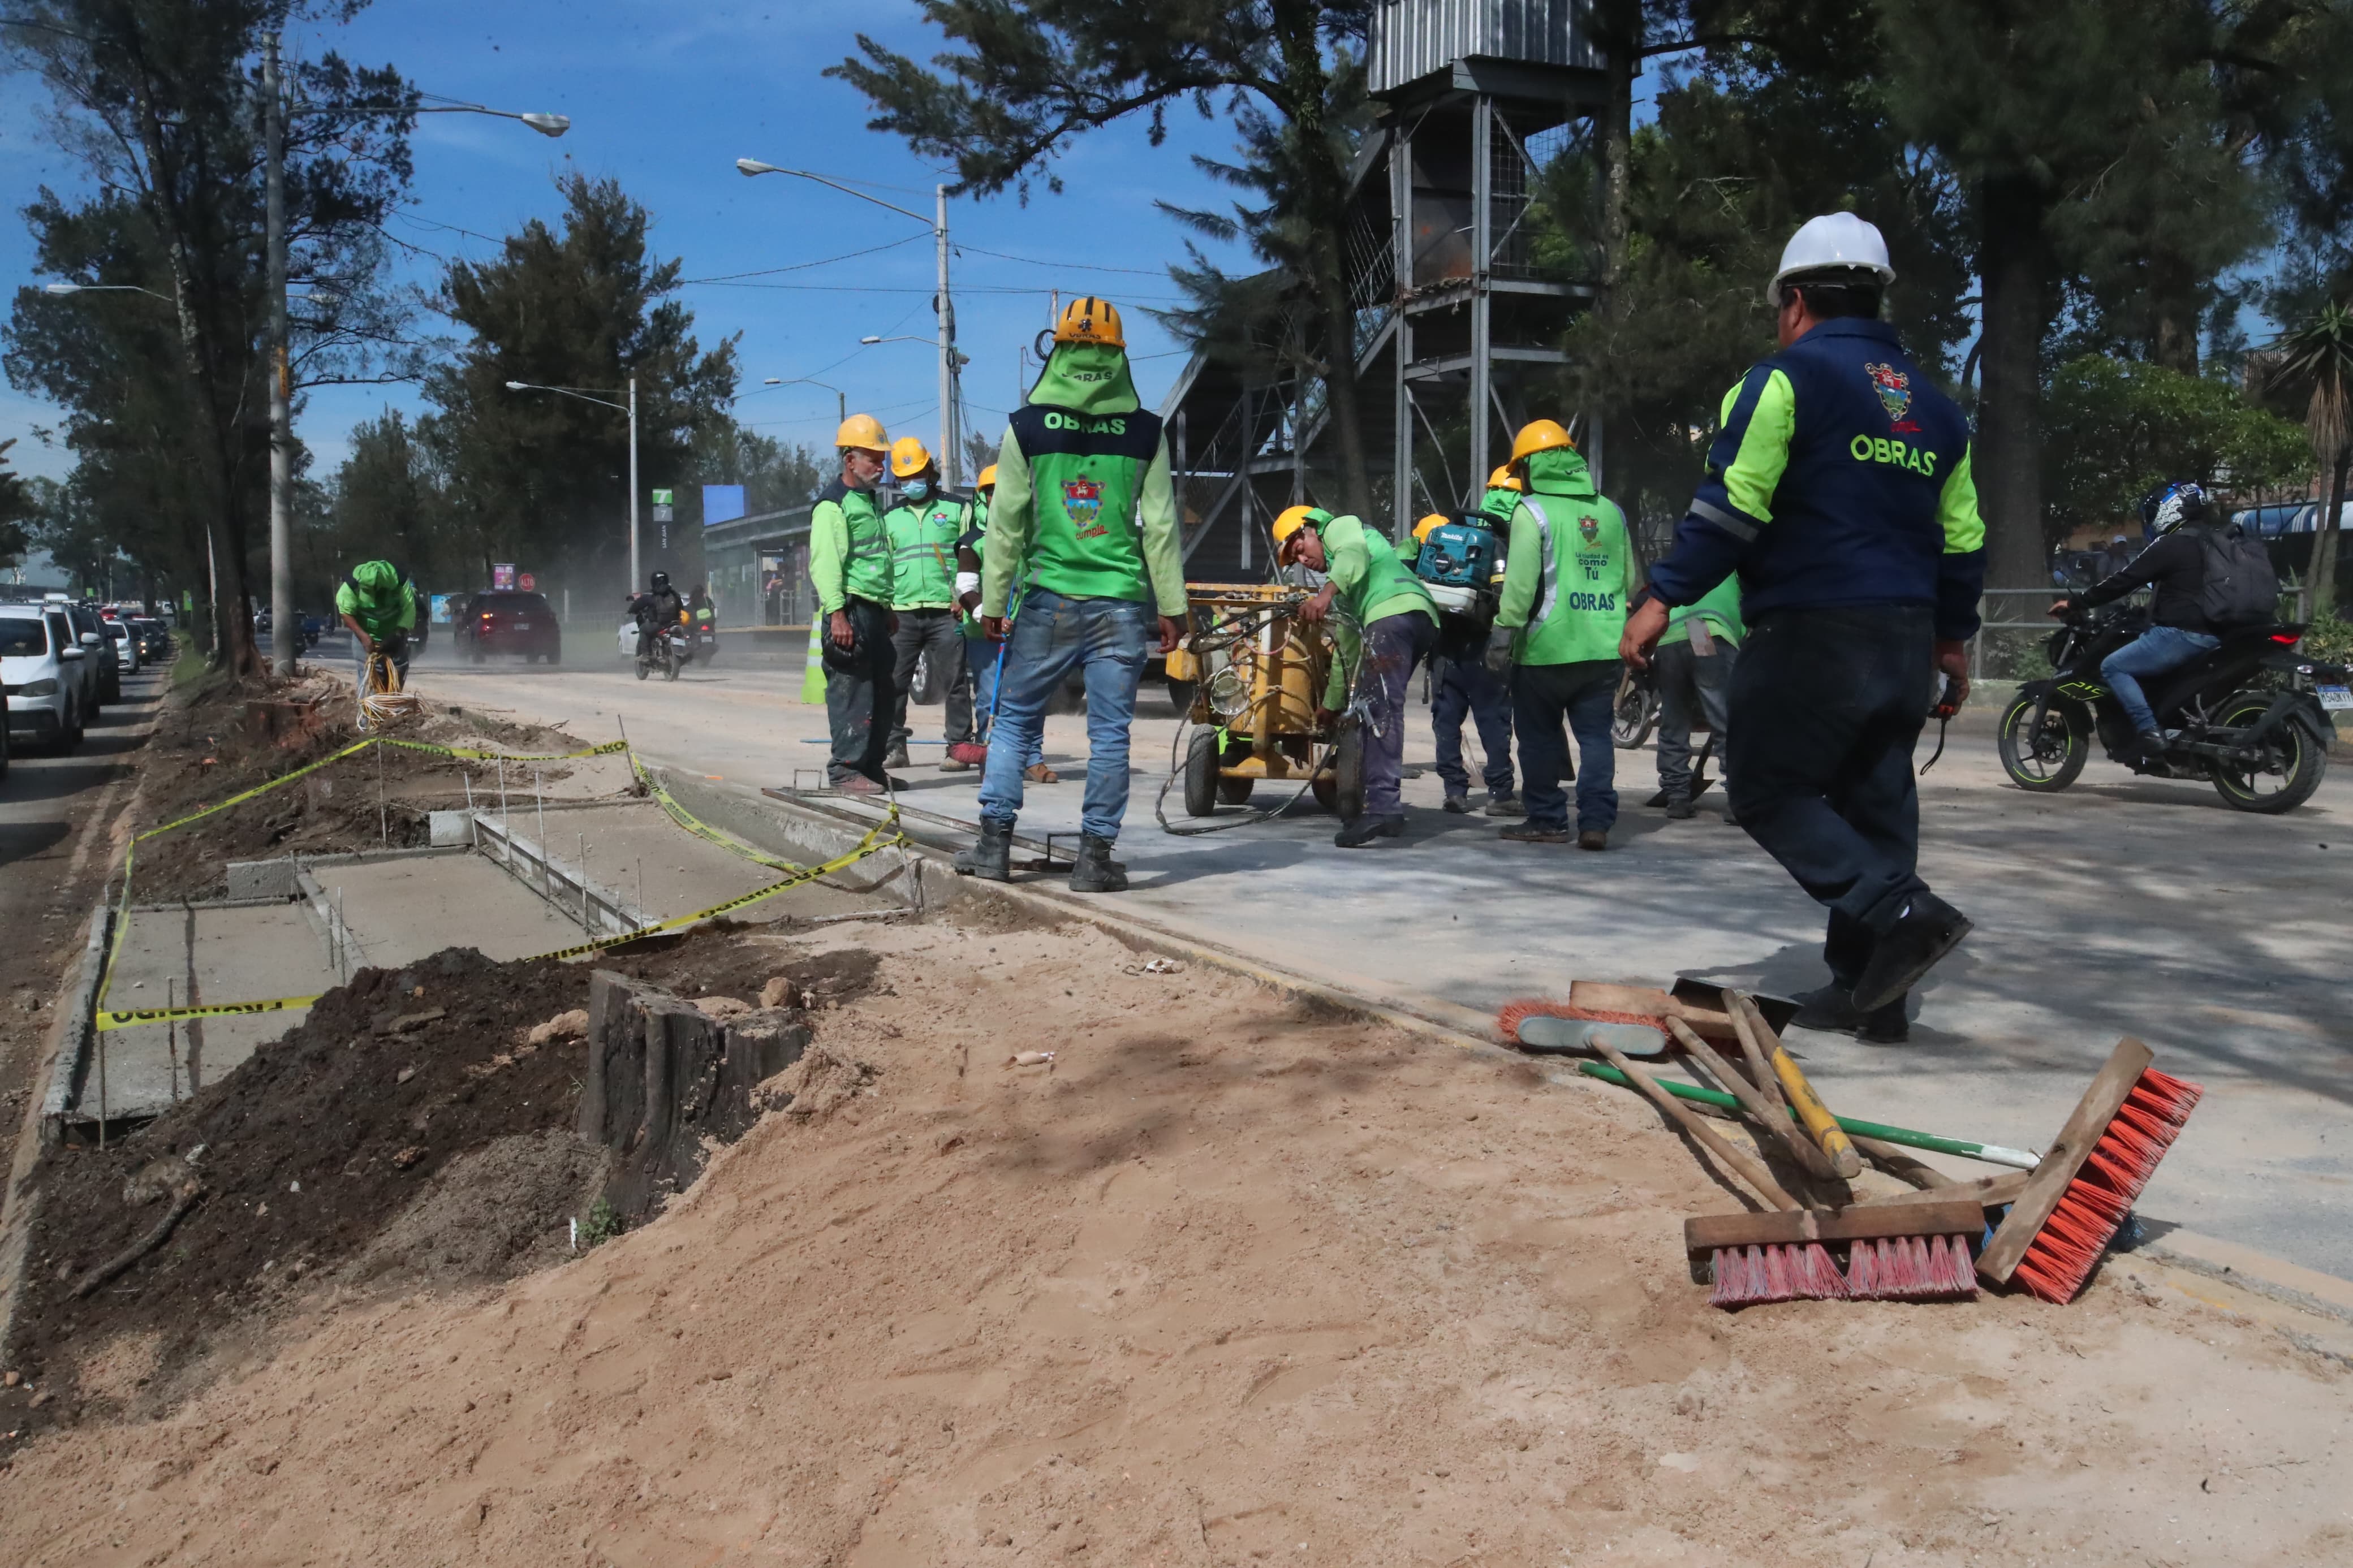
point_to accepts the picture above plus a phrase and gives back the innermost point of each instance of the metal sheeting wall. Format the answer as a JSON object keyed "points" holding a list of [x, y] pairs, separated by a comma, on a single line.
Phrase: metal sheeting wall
{"points": [[1412, 39]]}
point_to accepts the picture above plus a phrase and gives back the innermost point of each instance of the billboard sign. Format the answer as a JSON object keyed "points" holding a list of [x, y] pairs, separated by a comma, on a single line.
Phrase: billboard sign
{"points": [[721, 503], [503, 576]]}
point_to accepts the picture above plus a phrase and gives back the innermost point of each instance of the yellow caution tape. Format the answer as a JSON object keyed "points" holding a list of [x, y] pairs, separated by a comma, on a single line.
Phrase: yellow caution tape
{"points": [[873, 842], [695, 826]]}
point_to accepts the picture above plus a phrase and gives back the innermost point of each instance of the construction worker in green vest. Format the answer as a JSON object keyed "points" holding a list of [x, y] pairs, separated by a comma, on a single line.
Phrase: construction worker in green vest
{"points": [[1389, 625], [923, 528], [1085, 521], [849, 567], [1693, 671], [378, 602], [1503, 496], [1570, 573]]}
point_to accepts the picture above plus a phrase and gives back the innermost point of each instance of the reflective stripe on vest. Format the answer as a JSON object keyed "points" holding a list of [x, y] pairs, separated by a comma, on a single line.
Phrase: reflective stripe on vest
{"points": [[1543, 612]]}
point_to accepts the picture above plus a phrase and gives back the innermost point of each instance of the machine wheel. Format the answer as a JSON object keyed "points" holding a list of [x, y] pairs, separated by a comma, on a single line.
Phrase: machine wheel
{"points": [[2050, 762], [1636, 711], [1180, 695], [2293, 768], [1202, 784], [1235, 792]]}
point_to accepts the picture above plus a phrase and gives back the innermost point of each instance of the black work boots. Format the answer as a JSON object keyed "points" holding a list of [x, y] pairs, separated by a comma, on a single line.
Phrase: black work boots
{"points": [[991, 858], [1096, 872]]}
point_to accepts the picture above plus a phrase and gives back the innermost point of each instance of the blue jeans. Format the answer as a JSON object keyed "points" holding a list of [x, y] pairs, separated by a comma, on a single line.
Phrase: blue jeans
{"points": [[1583, 693], [2153, 652], [981, 656], [1107, 639], [1466, 688]]}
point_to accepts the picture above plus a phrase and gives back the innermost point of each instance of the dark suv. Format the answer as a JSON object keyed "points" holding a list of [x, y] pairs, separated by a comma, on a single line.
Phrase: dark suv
{"points": [[508, 622]]}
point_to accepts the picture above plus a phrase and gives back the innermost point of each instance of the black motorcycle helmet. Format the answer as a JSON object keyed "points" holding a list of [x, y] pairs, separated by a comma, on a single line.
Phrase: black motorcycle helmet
{"points": [[661, 581]]}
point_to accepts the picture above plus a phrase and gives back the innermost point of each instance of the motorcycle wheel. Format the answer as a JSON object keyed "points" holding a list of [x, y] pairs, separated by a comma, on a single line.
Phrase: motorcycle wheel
{"points": [[641, 670], [1636, 711], [2293, 763], [670, 670], [2050, 762]]}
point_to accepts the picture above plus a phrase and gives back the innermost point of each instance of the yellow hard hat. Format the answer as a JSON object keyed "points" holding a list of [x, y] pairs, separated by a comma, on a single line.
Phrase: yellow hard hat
{"points": [[987, 480], [864, 432], [1293, 519], [1421, 530], [1087, 320], [908, 456], [1542, 436], [1503, 479]]}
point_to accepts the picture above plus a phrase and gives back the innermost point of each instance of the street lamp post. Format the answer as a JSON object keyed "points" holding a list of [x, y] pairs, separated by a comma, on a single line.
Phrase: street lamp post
{"points": [[840, 400], [951, 460], [285, 649], [629, 408]]}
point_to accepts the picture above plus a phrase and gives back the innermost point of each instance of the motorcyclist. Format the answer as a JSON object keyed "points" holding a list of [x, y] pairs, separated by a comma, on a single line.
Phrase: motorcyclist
{"points": [[656, 611], [2180, 516]]}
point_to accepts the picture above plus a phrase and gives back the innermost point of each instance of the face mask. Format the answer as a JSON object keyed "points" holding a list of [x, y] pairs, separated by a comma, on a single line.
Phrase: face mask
{"points": [[917, 490]]}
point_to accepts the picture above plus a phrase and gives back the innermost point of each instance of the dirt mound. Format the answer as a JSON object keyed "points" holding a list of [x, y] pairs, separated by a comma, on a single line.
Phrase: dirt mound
{"points": [[221, 742], [1224, 1284]]}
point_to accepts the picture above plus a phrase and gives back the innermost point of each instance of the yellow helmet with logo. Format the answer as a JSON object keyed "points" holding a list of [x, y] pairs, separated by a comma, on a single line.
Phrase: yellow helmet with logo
{"points": [[908, 456], [1503, 479], [1292, 520], [864, 432], [987, 480], [1087, 320], [1421, 530], [1541, 435]]}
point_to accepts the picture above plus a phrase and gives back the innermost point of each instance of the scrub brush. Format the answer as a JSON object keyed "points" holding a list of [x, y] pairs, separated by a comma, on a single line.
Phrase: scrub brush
{"points": [[2057, 1231]]}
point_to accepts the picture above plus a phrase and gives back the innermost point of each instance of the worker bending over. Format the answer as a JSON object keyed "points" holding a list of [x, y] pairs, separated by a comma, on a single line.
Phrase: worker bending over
{"points": [[1693, 667], [850, 566], [1567, 576], [923, 529], [986, 657], [1839, 488], [1388, 626], [378, 602], [1085, 520]]}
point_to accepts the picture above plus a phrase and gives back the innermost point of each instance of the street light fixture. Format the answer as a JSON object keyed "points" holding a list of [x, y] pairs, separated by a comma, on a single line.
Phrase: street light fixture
{"points": [[951, 462], [840, 399], [281, 382], [587, 395], [62, 289]]}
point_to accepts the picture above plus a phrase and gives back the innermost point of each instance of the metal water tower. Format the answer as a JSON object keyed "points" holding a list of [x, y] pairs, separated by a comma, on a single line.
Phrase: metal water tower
{"points": [[1479, 95]]}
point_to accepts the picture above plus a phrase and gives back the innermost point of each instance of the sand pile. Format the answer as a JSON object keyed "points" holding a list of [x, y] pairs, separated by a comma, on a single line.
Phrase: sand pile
{"points": [[1222, 1284]]}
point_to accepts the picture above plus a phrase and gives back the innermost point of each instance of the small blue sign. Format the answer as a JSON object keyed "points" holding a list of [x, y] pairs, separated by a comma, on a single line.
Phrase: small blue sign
{"points": [[721, 503]]}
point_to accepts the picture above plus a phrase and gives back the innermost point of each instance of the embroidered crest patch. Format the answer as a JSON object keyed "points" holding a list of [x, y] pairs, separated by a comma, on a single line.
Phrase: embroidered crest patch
{"points": [[1894, 388], [1082, 503]]}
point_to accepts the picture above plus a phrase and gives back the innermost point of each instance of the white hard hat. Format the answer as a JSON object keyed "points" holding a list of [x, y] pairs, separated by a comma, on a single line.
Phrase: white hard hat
{"points": [[1830, 241]]}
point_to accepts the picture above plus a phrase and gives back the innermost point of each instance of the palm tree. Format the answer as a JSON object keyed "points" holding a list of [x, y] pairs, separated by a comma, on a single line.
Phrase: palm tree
{"points": [[2316, 362]]}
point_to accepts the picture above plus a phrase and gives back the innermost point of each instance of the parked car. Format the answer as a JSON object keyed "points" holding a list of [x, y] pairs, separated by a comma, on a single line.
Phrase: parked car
{"points": [[510, 622], [41, 657], [122, 645]]}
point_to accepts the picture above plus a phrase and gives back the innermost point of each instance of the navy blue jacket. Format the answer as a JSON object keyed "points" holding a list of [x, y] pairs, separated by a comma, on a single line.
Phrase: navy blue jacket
{"points": [[1838, 477]]}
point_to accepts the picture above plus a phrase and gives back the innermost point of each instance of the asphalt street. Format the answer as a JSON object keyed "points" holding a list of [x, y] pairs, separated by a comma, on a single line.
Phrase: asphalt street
{"points": [[2123, 906]]}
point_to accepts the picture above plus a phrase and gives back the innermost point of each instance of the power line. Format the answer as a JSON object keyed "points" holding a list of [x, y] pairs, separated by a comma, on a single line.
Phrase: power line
{"points": [[1073, 266], [805, 266]]}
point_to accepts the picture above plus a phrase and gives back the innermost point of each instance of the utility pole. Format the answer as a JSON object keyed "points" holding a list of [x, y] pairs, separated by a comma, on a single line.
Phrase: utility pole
{"points": [[951, 456], [636, 582], [285, 636]]}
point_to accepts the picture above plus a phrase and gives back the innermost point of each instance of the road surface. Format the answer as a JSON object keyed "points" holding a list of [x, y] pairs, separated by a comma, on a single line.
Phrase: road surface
{"points": [[2121, 906]]}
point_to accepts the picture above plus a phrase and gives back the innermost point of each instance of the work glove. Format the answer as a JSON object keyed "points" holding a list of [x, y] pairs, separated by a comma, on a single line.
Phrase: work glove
{"points": [[1499, 648]]}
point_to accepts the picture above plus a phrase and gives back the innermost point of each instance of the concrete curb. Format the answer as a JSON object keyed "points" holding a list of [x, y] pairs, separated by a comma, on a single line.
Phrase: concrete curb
{"points": [[810, 829], [71, 1054]]}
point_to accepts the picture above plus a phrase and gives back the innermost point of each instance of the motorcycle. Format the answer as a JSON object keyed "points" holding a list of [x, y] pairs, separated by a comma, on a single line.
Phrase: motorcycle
{"points": [[706, 635], [2251, 717], [666, 649]]}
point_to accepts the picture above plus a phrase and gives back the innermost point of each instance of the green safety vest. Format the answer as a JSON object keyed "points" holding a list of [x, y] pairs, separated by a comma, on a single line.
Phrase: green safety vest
{"points": [[849, 548], [1580, 603], [923, 553]]}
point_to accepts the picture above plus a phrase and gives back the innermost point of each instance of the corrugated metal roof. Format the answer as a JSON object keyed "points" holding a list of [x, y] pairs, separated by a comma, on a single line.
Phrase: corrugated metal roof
{"points": [[1412, 39]]}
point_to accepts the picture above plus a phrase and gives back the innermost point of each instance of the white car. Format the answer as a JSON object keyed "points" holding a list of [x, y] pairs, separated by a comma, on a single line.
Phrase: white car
{"points": [[124, 646], [40, 664]]}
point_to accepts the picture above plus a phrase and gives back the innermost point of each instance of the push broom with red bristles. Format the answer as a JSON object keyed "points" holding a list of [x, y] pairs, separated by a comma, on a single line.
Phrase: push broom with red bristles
{"points": [[2059, 1228]]}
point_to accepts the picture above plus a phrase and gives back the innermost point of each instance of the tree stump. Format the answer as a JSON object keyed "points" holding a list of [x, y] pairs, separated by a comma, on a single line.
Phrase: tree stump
{"points": [[663, 1077]]}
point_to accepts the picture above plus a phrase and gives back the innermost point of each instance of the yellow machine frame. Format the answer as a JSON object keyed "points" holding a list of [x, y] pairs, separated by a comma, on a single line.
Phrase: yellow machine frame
{"points": [[1262, 689]]}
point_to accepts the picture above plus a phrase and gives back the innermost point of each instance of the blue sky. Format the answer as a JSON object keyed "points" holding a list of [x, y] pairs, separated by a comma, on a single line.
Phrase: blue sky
{"points": [[667, 97]]}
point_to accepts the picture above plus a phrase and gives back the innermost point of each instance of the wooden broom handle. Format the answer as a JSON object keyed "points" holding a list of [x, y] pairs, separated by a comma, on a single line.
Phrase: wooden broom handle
{"points": [[1740, 1164]]}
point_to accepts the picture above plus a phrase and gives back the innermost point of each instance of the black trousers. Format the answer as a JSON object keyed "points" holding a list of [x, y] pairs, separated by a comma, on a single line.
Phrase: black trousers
{"points": [[858, 690], [1581, 693], [1825, 706]]}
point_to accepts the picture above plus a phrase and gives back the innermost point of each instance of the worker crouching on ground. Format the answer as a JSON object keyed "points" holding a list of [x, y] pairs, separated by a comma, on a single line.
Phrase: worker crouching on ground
{"points": [[1568, 572], [1085, 520], [1839, 488], [1693, 667], [378, 602], [923, 530], [1389, 625], [850, 566], [984, 658]]}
